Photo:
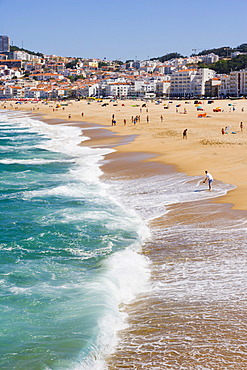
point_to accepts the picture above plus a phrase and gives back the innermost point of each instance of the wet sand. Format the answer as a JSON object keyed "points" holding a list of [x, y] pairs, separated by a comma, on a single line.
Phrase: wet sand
{"points": [[195, 315]]}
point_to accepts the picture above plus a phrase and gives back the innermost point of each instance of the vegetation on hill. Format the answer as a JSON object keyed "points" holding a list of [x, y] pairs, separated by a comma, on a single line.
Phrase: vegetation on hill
{"points": [[225, 66], [75, 78], [72, 64], [16, 48], [102, 64], [168, 56], [224, 51]]}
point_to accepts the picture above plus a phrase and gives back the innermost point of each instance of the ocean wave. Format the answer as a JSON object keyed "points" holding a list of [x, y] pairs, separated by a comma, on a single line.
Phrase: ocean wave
{"points": [[34, 161], [109, 272], [168, 189], [127, 273]]}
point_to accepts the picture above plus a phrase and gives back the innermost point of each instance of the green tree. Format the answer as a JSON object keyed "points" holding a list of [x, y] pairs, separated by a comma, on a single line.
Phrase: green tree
{"points": [[72, 64], [16, 48], [242, 48], [168, 56], [227, 65], [102, 64]]}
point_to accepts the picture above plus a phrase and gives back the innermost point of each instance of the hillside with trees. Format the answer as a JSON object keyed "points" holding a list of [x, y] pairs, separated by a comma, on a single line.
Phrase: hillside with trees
{"points": [[168, 56], [224, 51], [225, 66], [16, 48]]}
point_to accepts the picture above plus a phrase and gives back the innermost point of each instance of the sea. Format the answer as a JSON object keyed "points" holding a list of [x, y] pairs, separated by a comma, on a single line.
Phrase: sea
{"points": [[113, 272]]}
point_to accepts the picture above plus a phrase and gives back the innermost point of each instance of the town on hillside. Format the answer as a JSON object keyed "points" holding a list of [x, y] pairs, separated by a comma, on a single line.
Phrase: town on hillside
{"points": [[29, 75]]}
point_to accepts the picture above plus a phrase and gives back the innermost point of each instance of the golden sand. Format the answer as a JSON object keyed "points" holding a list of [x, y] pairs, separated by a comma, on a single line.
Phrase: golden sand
{"points": [[224, 156]]}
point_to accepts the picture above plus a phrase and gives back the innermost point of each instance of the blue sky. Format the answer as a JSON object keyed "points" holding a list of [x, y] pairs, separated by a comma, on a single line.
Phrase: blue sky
{"points": [[123, 29]]}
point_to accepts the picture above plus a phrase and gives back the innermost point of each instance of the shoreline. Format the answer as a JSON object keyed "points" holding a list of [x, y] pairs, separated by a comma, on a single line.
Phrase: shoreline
{"points": [[222, 155], [140, 164]]}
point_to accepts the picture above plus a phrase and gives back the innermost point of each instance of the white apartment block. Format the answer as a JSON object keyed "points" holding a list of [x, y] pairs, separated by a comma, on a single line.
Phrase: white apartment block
{"points": [[209, 58], [188, 83], [12, 91], [225, 85], [238, 83], [163, 88], [119, 89]]}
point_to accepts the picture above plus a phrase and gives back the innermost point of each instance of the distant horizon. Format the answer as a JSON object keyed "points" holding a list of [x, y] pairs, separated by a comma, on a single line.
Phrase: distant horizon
{"points": [[137, 30]]}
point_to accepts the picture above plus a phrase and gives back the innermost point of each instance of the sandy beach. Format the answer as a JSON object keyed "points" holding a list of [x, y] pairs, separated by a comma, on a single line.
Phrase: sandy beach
{"points": [[159, 132]]}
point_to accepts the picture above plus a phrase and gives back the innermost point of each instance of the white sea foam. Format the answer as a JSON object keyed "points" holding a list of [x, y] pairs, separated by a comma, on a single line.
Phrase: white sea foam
{"points": [[150, 198], [33, 161], [14, 149], [125, 273]]}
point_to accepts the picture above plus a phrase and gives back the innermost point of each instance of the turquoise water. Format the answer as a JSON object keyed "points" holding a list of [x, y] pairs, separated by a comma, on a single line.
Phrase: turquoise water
{"points": [[69, 250]]}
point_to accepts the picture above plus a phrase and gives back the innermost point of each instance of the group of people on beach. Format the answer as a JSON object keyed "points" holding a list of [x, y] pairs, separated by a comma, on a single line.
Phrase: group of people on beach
{"points": [[134, 120], [226, 129]]}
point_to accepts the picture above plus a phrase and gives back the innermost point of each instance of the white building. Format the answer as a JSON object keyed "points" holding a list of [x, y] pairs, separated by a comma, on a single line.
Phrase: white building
{"points": [[12, 91], [238, 83], [190, 82], [163, 88], [209, 58], [119, 89], [46, 76], [236, 53], [225, 85]]}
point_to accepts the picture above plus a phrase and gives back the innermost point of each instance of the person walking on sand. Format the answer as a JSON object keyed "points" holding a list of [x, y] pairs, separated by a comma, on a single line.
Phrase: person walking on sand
{"points": [[209, 179], [241, 126], [185, 133]]}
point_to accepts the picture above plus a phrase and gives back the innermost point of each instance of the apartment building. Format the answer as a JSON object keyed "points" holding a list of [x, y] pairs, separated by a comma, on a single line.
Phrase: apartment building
{"points": [[187, 83], [12, 63], [209, 58], [46, 76], [163, 88], [238, 83], [12, 91], [4, 43], [212, 87], [119, 89], [225, 85]]}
